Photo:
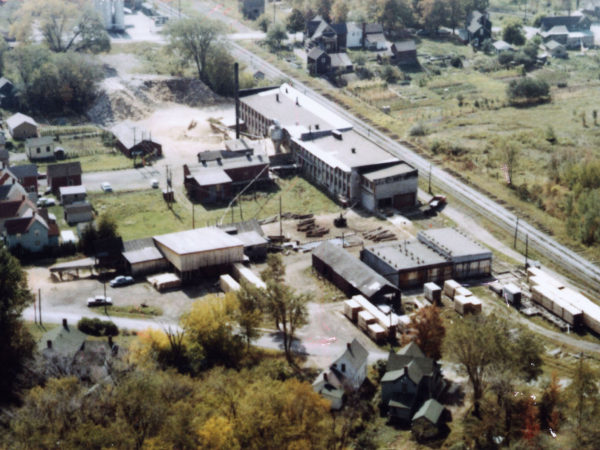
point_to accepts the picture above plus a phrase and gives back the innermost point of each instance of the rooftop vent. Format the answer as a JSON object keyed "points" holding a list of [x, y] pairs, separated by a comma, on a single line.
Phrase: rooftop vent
{"points": [[277, 97], [336, 134], [353, 150]]}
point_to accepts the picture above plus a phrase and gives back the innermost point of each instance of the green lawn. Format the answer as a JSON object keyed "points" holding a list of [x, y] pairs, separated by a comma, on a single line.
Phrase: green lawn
{"points": [[144, 213], [141, 312]]}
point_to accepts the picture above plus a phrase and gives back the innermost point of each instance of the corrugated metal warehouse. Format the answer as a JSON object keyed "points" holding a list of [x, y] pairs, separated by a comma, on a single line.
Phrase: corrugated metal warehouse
{"points": [[141, 257], [408, 264], [201, 251], [352, 276], [469, 259]]}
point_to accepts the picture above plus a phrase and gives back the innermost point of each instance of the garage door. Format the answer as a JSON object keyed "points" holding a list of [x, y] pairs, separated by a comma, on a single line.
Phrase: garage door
{"points": [[404, 200]]}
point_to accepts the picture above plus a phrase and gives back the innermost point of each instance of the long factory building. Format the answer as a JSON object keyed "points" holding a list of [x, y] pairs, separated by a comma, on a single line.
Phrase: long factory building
{"points": [[329, 153]]}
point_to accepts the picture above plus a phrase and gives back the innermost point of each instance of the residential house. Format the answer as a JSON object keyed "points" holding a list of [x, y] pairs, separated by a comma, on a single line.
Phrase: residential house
{"points": [[346, 374], [78, 212], [11, 191], [502, 46], [373, 37], [21, 126], [14, 209], [410, 379], [27, 176], [340, 63], [4, 155], [134, 141], [403, 53], [354, 33], [328, 37], [479, 28], [40, 148], [218, 180], [72, 194], [571, 31], [63, 174], [318, 61], [64, 340], [7, 93], [556, 50], [33, 233], [252, 9], [429, 419]]}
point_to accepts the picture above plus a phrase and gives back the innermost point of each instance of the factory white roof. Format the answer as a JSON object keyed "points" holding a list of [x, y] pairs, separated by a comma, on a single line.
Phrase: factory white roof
{"points": [[198, 240]]}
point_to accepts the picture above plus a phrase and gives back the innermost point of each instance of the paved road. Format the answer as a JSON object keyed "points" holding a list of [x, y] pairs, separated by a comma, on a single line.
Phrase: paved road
{"points": [[575, 264], [127, 179]]}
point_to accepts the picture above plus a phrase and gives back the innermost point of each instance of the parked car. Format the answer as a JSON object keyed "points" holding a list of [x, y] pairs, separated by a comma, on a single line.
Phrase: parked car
{"points": [[43, 202], [121, 280], [106, 187], [99, 300], [154, 183]]}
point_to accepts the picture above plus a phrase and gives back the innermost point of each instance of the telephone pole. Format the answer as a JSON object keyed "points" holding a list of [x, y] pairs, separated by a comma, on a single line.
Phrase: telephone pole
{"points": [[516, 232]]}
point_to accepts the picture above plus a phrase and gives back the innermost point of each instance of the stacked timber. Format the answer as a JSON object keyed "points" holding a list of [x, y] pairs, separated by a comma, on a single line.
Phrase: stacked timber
{"points": [[450, 287], [228, 284], [242, 273], [433, 293], [461, 290], [365, 318], [467, 305], [379, 235], [376, 332], [351, 309], [553, 300]]}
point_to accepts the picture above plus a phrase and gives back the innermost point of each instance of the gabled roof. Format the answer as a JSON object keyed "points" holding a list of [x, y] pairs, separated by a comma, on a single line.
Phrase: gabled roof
{"points": [[78, 207], [41, 141], [546, 23], [315, 53], [64, 169], [130, 136], [354, 271], [16, 208], [412, 349], [404, 46], [11, 192], [5, 82], [323, 29], [66, 341], [17, 119], [375, 37], [340, 60], [557, 30], [355, 355], [339, 28], [431, 410], [411, 359], [373, 28], [4, 155], [24, 171], [553, 45], [21, 225]]}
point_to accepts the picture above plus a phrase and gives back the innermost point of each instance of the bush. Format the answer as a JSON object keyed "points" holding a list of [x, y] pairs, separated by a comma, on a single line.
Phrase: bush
{"points": [[418, 129], [528, 91], [97, 327], [456, 62], [513, 33], [505, 58]]}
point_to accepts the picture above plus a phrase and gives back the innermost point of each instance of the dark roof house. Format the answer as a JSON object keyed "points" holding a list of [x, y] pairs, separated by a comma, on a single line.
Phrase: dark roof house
{"points": [[479, 28]]}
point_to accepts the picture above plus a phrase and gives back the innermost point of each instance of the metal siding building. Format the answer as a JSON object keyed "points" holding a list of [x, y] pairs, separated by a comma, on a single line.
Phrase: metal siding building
{"points": [[141, 257], [469, 259], [200, 251], [351, 275]]}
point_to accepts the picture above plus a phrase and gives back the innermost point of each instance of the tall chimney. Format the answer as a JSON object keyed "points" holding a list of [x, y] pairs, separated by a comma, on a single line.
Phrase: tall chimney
{"points": [[237, 99], [65, 325]]}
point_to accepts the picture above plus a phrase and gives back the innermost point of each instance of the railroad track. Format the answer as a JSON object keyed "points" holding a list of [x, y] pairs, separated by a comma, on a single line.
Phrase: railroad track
{"points": [[575, 264]]}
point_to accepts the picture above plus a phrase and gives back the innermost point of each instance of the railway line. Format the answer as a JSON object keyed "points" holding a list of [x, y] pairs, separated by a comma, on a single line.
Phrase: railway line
{"points": [[578, 266]]}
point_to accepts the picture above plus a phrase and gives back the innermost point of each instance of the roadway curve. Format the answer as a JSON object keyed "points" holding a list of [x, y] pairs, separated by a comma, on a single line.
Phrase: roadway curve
{"points": [[576, 265]]}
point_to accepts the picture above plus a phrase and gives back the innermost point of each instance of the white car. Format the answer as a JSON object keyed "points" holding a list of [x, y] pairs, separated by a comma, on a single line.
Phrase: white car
{"points": [[154, 183], [99, 300], [43, 202], [106, 187]]}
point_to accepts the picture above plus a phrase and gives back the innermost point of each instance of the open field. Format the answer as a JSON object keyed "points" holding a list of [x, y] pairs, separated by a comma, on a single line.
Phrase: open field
{"points": [[144, 213]]}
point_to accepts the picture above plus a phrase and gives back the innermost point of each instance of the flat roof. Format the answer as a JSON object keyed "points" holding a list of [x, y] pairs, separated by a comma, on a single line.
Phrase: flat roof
{"points": [[211, 176], [198, 240], [294, 108], [146, 254], [452, 242], [352, 151], [398, 169], [72, 190], [407, 254]]}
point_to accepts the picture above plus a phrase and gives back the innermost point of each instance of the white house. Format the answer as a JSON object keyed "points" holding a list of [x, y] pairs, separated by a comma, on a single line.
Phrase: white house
{"points": [[354, 36], [40, 148], [346, 374], [21, 126]]}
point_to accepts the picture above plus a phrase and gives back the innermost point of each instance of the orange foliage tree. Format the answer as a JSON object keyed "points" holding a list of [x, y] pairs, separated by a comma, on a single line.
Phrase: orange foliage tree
{"points": [[427, 331]]}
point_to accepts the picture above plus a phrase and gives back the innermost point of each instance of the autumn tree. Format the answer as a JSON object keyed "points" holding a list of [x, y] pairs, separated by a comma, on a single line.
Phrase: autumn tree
{"points": [[295, 21], [16, 343], [456, 13], [275, 36], [249, 314], [192, 39], [548, 407], [394, 15], [210, 330], [584, 400], [427, 331], [282, 303]]}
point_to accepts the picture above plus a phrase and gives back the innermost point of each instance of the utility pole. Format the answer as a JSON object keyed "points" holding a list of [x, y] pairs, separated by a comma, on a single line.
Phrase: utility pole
{"points": [[34, 310], [40, 305], [241, 210], [429, 178], [516, 231], [193, 216], [105, 307], [280, 224], [231, 213], [526, 249]]}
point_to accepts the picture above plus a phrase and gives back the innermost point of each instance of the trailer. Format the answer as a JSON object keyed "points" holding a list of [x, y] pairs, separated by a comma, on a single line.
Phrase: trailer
{"points": [[512, 294], [365, 318]]}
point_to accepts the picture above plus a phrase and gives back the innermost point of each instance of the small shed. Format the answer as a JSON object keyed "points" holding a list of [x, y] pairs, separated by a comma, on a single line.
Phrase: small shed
{"points": [[40, 148], [433, 293], [512, 294], [135, 141], [428, 420], [72, 194], [318, 61], [21, 126], [351, 309], [141, 257], [78, 212]]}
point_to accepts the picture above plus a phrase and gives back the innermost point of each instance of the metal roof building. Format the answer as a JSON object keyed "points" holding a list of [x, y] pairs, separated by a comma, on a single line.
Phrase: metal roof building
{"points": [[141, 257], [351, 275], [200, 251]]}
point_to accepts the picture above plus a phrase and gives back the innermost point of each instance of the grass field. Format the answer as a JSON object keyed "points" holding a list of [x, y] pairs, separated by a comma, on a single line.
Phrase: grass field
{"points": [[140, 311], [144, 213]]}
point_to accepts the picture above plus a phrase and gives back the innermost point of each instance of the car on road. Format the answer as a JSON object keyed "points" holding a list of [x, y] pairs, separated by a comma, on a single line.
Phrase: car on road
{"points": [[44, 202], [154, 183], [106, 187], [121, 280], [99, 300]]}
